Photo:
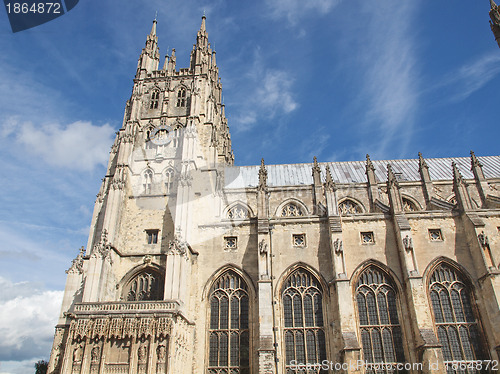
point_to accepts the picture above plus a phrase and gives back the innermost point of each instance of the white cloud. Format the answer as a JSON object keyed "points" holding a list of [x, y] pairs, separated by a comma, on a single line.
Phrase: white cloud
{"points": [[472, 77], [28, 316], [78, 145], [293, 10], [269, 93]]}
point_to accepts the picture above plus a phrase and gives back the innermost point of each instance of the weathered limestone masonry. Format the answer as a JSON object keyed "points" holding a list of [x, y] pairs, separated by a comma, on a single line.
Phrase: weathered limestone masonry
{"points": [[194, 265]]}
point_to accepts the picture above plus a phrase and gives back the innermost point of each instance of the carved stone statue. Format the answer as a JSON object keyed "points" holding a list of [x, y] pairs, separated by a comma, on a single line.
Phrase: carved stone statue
{"points": [[160, 352], [95, 354], [263, 247], [77, 354], [141, 353]]}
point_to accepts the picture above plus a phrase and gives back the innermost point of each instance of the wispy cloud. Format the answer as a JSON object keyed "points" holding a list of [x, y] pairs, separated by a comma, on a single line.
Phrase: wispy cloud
{"points": [[293, 10], [388, 75], [471, 77], [78, 145], [270, 94]]}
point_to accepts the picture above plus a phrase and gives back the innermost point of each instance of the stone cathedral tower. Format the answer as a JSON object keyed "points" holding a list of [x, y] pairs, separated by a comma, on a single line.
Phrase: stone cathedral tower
{"points": [[495, 20], [194, 265]]}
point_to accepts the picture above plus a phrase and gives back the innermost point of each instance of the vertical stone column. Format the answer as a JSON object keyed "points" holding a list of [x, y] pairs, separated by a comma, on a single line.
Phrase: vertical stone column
{"points": [[425, 178], [372, 184], [428, 347], [484, 261], [342, 296], [266, 345]]}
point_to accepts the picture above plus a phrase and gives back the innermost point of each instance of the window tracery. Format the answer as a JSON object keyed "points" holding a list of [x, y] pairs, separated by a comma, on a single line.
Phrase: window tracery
{"points": [[155, 97], [292, 210], [456, 321], [146, 286], [238, 212], [181, 98], [147, 183], [169, 180], [381, 334], [348, 208], [408, 205], [229, 344], [304, 334]]}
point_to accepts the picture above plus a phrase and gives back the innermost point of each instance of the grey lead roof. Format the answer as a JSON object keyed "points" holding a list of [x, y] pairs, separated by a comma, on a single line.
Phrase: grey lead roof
{"points": [[354, 171]]}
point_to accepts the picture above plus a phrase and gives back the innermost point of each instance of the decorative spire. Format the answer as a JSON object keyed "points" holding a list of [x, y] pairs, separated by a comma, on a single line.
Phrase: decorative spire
{"points": [[474, 161], [495, 20], [316, 172], [421, 162], [262, 176], [330, 184], [457, 176], [369, 163], [391, 178], [153, 28], [203, 26]]}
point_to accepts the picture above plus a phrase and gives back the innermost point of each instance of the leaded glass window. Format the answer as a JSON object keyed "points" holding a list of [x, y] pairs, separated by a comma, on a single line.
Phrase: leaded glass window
{"points": [[169, 180], [229, 344], [381, 334], [237, 212], [181, 98], [155, 96], [348, 208], [408, 205], [456, 321], [146, 286], [292, 210], [303, 321], [147, 181]]}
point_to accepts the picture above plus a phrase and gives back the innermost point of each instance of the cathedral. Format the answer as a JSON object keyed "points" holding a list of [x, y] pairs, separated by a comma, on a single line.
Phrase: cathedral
{"points": [[194, 265]]}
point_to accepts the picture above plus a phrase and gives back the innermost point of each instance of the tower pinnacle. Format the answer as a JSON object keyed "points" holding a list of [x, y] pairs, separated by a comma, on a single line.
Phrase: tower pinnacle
{"points": [[495, 20]]}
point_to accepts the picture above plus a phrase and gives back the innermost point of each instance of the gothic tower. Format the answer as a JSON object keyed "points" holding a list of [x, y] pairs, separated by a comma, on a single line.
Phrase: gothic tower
{"points": [[167, 157], [495, 20]]}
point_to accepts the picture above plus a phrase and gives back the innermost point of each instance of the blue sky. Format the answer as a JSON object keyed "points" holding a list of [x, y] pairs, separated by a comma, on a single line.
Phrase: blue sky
{"points": [[328, 78]]}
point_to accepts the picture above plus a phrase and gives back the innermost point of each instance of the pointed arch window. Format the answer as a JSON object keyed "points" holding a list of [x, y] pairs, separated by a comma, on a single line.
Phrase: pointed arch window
{"points": [[292, 210], [456, 320], [348, 207], [229, 343], [145, 286], [238, 212], [155, 98], [408, 205], [169, 180], [147, 181], [304, 333], [181, 98], [381, 334]]}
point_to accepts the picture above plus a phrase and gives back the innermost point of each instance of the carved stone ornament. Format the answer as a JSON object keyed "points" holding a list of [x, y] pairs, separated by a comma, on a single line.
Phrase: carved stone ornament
{"points": [[147, 259], [262, 176], [338, 246], [103, 248], [161, 353], [263, 249], [408, 243], [77, 263], [78, 353], [95, 353], [141, 353], [483, 240], [177, 247]]}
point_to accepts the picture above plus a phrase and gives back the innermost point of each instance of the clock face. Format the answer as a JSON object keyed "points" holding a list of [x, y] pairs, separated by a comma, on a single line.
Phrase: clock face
{"points": [[162, 135]]}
